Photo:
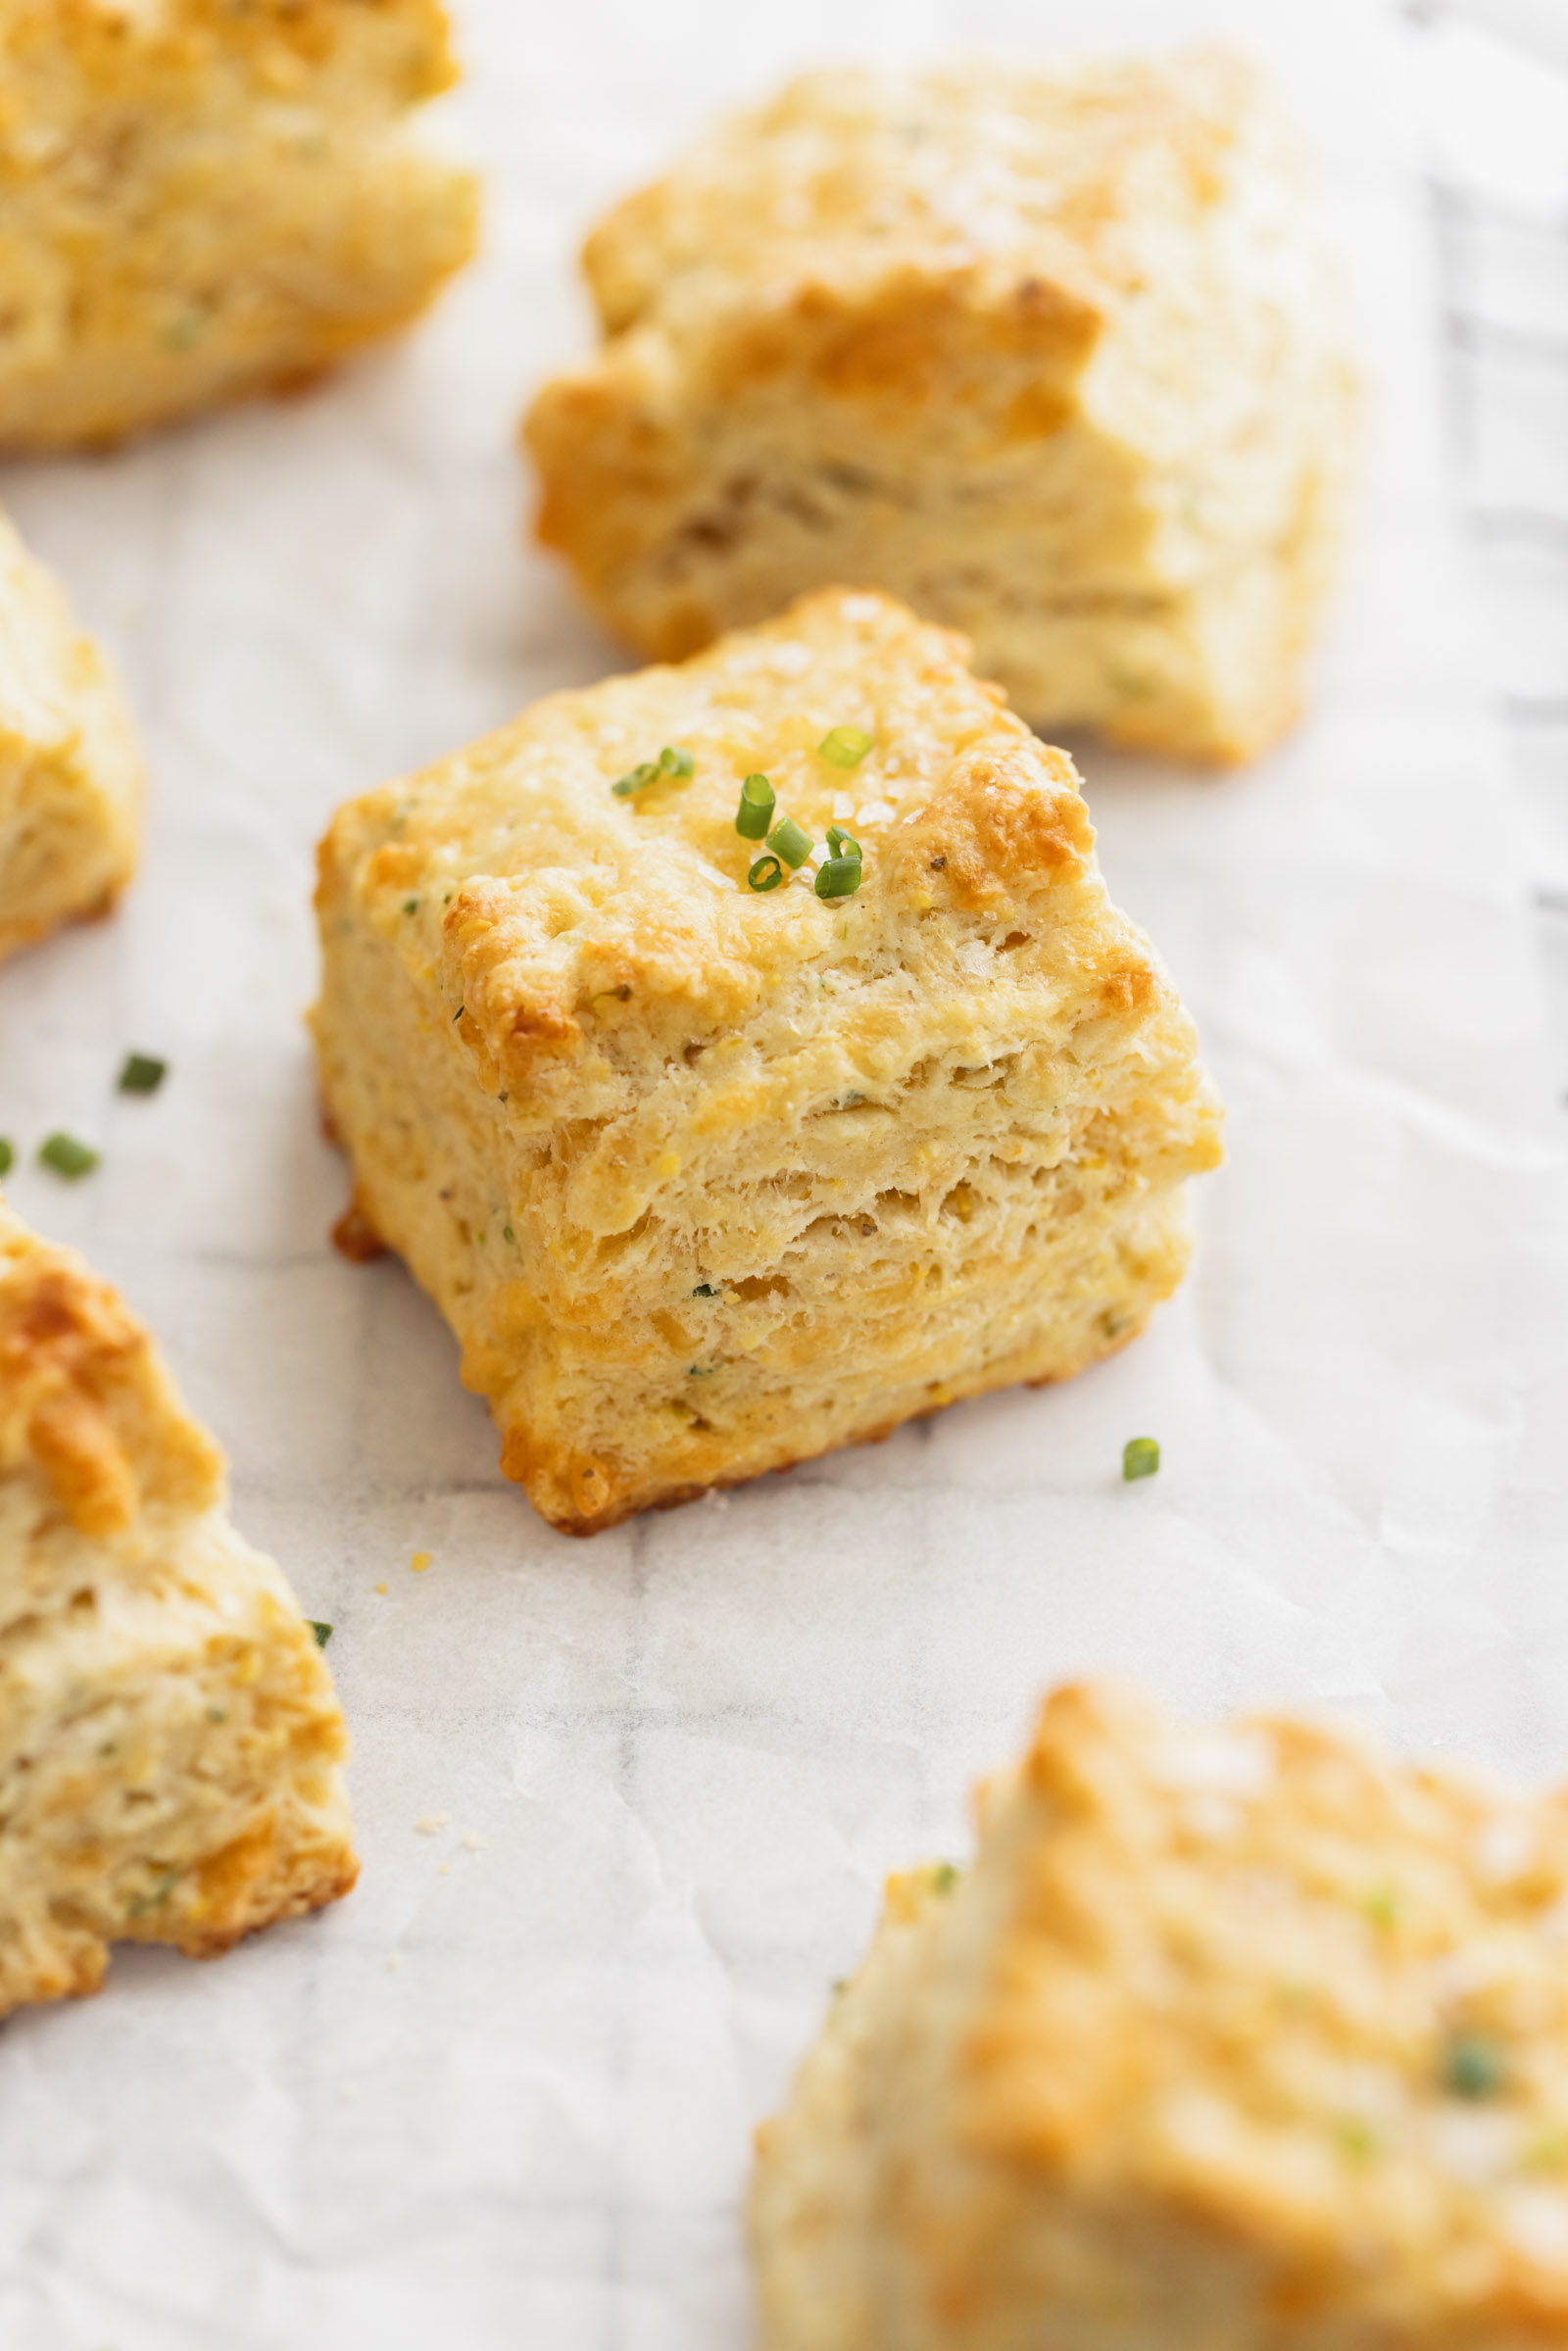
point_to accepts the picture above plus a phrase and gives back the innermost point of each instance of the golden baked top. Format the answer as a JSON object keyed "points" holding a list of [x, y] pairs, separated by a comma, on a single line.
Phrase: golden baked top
{"points": [[373, 52], [84, 1396], [1302, 1995], [1068, 188], [585, 946]]}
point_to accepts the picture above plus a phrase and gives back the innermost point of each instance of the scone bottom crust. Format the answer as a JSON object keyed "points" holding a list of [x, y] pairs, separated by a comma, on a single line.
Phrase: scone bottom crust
{"points": [[708, 1181]]}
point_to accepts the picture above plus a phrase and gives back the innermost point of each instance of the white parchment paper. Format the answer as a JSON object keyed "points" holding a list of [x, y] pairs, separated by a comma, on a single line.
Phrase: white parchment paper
{"points": [[502, 2096]]}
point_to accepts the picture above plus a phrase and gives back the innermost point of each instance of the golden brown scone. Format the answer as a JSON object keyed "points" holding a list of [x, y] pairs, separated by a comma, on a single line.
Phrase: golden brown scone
{"points": [[199, 200], [171, 1747], [1057, 356], [71, 774], [1230, 2040], [708, 1181]]}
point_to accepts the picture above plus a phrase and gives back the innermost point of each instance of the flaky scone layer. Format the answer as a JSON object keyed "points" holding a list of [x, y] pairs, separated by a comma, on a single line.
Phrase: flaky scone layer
{"points": [[202, 201], [708, 1181], [171, 1747], [71, 772], [1056, 354], [1229, 2038]]}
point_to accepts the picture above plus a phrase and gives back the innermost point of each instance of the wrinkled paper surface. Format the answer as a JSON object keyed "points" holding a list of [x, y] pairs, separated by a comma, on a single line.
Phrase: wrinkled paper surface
{"points": [[502, 2096]]}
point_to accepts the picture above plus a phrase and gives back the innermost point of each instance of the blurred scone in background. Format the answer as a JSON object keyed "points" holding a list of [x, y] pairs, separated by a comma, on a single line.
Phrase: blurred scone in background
{"points": [[1057, 356], [1234, 2035], [199, 200]]}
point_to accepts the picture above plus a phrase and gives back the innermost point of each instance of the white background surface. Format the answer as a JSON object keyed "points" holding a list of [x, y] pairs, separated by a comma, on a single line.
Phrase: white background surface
{"points": [[500, 2097]]}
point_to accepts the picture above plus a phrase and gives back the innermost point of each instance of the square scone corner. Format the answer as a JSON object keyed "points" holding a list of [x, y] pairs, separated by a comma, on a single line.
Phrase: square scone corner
{"points": [[171, 1747], [1232, 2035], [205, 200], [708, 1170], [71, 768], [1055, 353]]}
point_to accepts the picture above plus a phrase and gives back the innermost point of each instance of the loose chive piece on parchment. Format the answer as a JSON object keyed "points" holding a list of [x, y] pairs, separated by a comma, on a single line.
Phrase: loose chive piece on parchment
{"points": [[1140, 1458], [323, 1633], [66, 1156], [8, 1155], [141, 1073]]}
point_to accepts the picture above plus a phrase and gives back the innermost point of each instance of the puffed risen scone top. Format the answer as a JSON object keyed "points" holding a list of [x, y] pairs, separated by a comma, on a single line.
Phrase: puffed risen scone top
{"points": [[171, 1747], [200, 200], [1238, 2037], [1053, 352], [708, 1181]]}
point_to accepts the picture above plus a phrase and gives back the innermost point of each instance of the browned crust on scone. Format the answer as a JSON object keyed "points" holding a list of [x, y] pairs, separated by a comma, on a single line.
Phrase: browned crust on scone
{"points": [[634, 1127], [518, 1462], [169, 1740], [84, 1393]]}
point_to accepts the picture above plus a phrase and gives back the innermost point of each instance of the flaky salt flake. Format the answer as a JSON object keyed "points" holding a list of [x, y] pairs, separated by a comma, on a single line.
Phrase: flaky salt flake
{"points": [[1536, 2220], [1505, 1848]]}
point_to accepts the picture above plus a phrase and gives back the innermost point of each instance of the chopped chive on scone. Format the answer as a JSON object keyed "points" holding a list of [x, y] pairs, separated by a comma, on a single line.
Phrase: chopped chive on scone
{"points": [[747, 1057], [1054, 354], [71, 774], [171, 1747], [205, 199], [1234, 2037]]}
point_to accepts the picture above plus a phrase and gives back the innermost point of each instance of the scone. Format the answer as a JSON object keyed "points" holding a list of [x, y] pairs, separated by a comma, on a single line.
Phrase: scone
{"points": [[70, 775], [1057, 356], [1238, 2037], [201, 200], [169, 1744], [747, 1059]]}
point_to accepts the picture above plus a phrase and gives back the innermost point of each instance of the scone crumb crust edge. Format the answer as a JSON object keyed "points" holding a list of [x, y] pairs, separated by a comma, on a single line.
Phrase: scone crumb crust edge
{"points": [[642, 1129]]}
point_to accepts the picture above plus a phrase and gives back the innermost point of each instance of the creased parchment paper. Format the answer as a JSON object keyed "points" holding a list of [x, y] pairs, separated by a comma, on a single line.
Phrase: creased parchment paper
{"points": [[502, 2096]]}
